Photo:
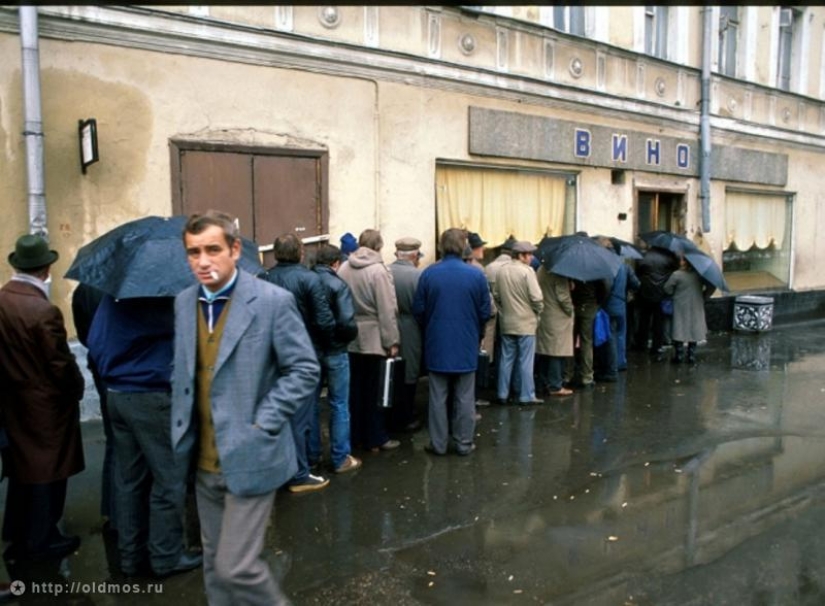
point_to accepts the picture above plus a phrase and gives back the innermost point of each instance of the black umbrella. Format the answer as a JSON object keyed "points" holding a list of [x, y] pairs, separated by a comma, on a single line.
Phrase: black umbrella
{"points": [[707, 269], [669, 241], [578, 257], [144, 258]]}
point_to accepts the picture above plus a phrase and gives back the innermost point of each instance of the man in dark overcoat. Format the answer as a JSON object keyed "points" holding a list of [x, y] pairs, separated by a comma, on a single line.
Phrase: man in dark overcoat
{"points": [[40, 406]]}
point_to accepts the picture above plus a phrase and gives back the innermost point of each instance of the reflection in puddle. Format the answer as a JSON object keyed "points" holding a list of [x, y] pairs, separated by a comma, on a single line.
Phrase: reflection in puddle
{"points": [[750, 352]]}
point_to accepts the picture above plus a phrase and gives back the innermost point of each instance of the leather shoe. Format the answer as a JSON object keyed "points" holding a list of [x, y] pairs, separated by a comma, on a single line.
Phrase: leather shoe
{"points": [[142, 568], [466, 451], [388, 445], [413, 426], [57, 549], [429, 448], [187, 561]]}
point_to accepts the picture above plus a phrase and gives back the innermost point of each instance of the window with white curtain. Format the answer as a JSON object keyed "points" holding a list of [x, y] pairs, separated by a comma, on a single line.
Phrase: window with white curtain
{"points": [[757, 251], [500, 202]]}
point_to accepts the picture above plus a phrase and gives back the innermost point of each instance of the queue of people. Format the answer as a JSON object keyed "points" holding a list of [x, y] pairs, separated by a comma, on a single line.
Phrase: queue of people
{"points": [[219, 389]]}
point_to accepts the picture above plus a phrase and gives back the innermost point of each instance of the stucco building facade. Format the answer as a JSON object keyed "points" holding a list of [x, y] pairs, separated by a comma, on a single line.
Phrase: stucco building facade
{"points": [[523, 120]]}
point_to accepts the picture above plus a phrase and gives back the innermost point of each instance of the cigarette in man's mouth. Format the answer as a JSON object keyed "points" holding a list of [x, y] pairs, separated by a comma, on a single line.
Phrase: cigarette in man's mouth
{"points": [[214, 274]]}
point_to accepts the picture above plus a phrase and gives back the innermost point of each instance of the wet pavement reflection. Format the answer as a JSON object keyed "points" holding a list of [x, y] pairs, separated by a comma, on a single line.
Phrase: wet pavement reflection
{"points": [[676, 485]]}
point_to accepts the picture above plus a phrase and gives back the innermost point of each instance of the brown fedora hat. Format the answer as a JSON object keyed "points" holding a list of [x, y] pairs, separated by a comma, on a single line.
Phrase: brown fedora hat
{"points": [[32, 251]]}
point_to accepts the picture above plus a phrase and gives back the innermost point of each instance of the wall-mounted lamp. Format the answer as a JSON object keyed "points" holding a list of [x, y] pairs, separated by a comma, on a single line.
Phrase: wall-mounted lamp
{"points": [[87, 135]]}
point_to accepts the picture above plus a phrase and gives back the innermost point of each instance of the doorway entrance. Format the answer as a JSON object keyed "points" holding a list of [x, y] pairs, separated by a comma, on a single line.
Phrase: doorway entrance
{"points": [[270, 191], [660, 210]]}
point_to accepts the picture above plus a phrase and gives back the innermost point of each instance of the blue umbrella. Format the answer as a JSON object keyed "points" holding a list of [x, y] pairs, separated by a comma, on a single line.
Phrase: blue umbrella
{"points": [[145, 258], [707, 269], [669, 241], [578, 257], [624, 249]]}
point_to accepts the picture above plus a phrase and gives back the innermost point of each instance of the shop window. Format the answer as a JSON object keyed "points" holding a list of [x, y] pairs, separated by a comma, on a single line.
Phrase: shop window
{"points": [[728, 37], [499, 202], [757, 253]]}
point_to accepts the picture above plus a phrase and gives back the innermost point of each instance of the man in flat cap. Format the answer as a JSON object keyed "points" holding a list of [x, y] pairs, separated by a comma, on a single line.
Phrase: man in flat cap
{"points": [[40, 390], [505, 256], [520, 302], [476, 244], [406, 272]]}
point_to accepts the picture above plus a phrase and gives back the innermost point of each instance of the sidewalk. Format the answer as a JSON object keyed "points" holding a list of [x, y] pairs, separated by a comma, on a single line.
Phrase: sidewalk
{"points": [[675, 485]]}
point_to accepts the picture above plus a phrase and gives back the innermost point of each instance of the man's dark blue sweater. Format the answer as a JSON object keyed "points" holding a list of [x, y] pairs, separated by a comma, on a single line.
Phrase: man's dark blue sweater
{"points": [[131, 341]]}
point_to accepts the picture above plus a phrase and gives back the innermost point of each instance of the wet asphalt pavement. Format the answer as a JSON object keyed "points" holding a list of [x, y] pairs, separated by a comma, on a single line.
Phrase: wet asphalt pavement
{"points": [[675, 485]]}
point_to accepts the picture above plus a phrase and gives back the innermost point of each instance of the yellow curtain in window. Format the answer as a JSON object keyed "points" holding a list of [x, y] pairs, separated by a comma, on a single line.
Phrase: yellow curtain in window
{"points": [[754, 219], [497, 203]]}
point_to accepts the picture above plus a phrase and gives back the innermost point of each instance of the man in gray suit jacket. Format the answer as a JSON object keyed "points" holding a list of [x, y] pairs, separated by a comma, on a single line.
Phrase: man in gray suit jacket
{"points": [[243, 364]]}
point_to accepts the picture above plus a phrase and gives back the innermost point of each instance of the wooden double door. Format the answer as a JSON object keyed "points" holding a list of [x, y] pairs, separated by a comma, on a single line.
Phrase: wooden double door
{"points": [[271, 192]]}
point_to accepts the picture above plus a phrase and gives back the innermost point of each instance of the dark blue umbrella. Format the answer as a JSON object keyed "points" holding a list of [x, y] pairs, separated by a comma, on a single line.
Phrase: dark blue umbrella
{"points": [[669, 241], [624, 249], [578, 257], [145, 258], [707, 269]]}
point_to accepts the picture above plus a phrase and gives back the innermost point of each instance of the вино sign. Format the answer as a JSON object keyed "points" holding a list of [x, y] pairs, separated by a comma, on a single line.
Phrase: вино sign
{"points": [[583, 142]]}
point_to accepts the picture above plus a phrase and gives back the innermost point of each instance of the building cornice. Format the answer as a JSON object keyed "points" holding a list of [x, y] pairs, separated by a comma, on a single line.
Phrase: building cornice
{"points": [[166, 32]]}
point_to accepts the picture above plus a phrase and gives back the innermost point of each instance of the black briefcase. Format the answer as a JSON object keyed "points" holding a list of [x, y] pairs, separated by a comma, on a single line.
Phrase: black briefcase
{"points": [[483, 370], [390, 381]]}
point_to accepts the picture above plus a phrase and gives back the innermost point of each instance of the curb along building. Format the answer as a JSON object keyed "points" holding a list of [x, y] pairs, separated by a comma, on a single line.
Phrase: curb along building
{"points": [[521, 120]]}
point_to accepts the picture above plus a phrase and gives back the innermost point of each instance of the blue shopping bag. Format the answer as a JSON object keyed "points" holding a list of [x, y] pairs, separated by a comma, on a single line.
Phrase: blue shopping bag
{"points": [[601, 328]]}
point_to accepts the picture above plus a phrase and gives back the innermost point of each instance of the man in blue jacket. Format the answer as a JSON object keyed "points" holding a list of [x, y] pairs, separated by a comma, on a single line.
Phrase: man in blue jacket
{"points": [[130, 343], [334, 361], [612, 356], [452, 305]]}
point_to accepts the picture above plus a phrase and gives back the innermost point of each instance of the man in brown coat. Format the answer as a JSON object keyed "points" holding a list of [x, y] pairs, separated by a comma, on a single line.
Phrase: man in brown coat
{"points": [[40, 405]]}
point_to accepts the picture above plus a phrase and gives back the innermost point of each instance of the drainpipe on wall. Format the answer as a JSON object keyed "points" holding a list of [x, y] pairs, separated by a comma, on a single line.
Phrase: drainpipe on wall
{"points": [[704, 123], [33, 127]]}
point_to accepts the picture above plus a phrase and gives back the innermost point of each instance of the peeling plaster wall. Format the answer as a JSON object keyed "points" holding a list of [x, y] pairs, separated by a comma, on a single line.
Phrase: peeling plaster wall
{"points": [[141, 100]]}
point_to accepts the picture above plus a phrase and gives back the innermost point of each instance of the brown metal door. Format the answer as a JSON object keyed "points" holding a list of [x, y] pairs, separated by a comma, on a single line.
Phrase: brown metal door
{"points": [[269, 194], [288, 199], [219, 181]]}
